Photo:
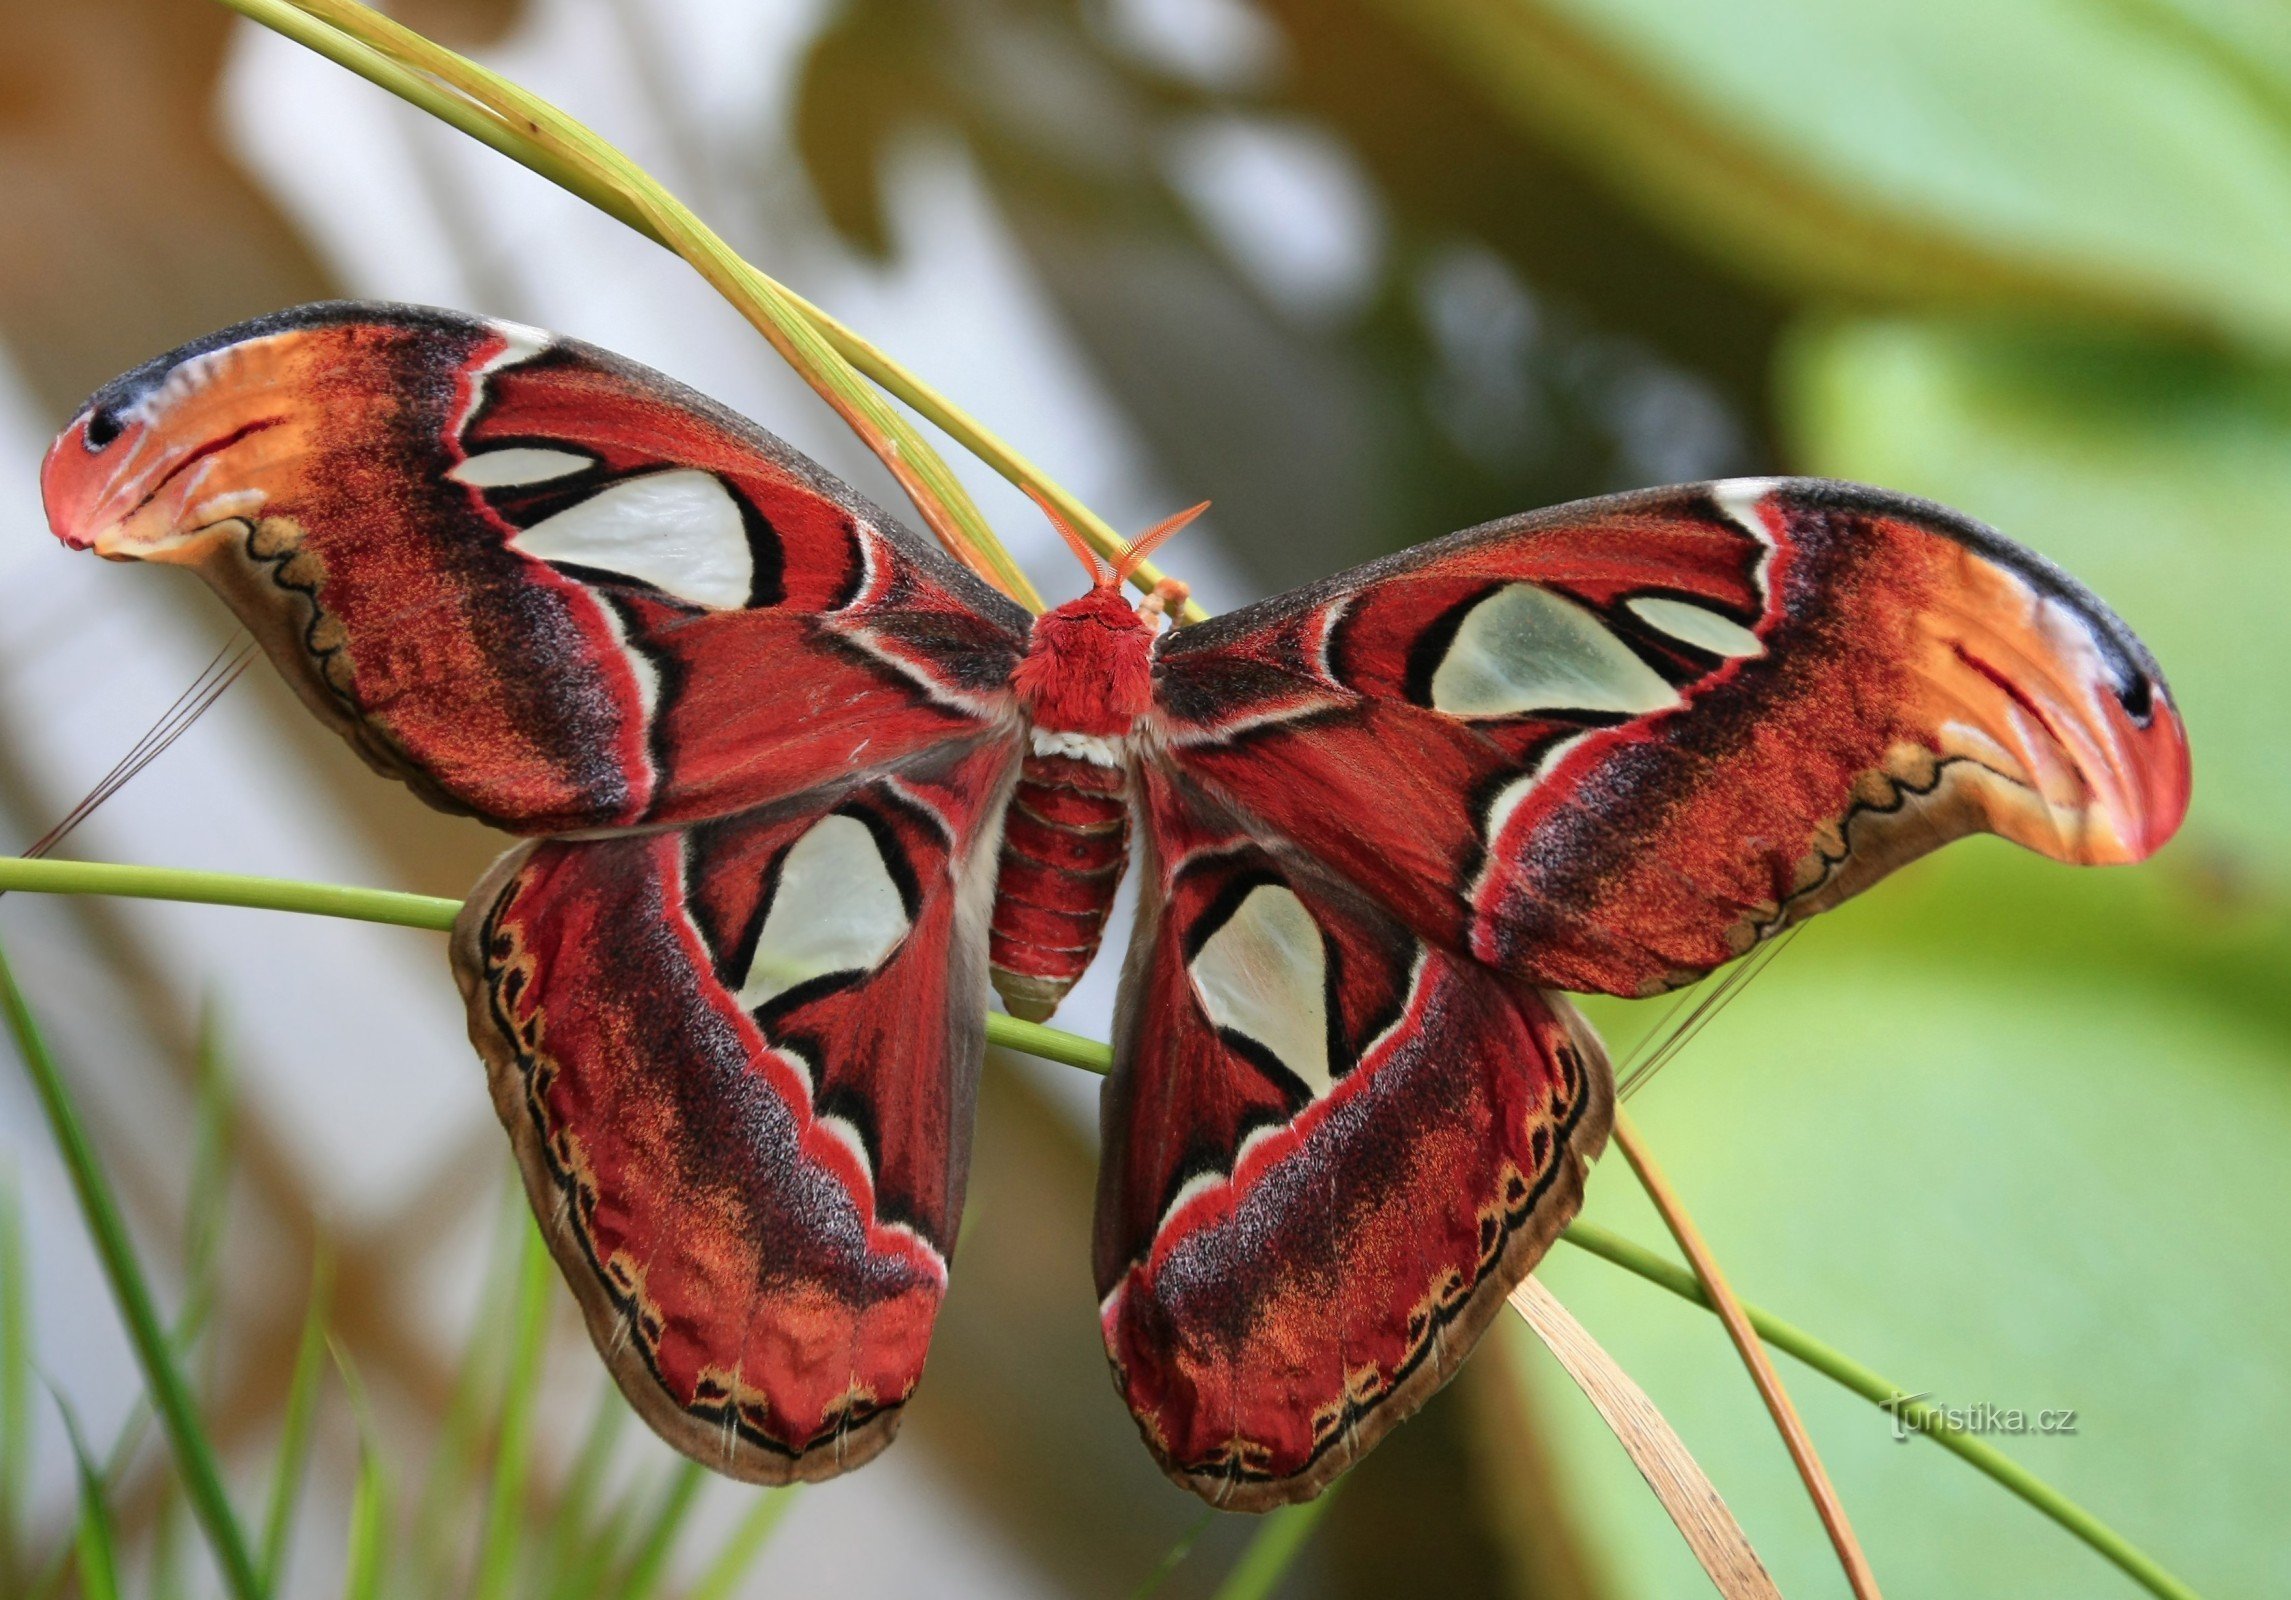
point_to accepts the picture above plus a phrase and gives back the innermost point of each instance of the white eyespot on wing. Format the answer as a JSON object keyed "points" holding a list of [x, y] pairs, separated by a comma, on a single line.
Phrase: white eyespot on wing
{"points": [[836, 909], [1264, 975], [1697, 625], [679, 531], [517, 465], [1525, 648]]}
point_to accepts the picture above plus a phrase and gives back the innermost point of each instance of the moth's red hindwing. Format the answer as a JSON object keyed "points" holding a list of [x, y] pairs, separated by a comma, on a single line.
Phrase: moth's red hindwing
{"points": [[1300, 1236], [747, 1142]]}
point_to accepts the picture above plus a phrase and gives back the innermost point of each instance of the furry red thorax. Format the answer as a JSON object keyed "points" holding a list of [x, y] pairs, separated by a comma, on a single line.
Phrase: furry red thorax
{"points": [[1088, 668]]}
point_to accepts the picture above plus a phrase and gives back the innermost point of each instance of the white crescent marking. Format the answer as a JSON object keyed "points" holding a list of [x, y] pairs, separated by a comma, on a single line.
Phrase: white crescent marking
{"points": [[1697, 625], [1264, 975], [519, 464], [1525, 648], [836, 909], [679, 531]]}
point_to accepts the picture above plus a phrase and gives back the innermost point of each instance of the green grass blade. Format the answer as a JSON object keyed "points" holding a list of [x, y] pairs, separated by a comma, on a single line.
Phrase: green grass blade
{"points": [[588, 1563], [529, 121], [1151, 1584], [293, 1462], [658, 1543], [595, 172], [209, 1199], [195, 1457], [369, 1529], [461, 1435], [1279, 1539], [95, 1548], [513, 1438], [746, 1542], [368, 1556], [15, 1383], [566, 1536]]}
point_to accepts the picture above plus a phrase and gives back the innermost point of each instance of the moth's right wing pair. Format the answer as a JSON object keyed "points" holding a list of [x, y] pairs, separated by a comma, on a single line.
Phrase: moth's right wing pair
{"points": [[1604, 747]]}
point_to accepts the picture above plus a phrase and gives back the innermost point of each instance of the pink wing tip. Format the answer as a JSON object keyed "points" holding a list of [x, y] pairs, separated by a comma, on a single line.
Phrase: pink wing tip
{"points": [[71, 482]]}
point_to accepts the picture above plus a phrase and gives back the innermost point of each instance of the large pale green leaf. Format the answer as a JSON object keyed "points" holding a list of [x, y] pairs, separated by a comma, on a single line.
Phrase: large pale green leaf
{"points": [[1999, 1169], [2130, 157], [2161, 479]]}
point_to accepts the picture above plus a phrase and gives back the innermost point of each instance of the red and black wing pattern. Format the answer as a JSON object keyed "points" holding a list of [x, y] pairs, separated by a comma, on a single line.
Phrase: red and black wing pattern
{"points": [[1610, 746], [738, 1063], [538, 582], [1331, 1148]]}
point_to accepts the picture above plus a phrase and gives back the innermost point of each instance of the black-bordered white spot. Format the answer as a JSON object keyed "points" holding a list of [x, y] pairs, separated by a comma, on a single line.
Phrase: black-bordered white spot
{"points": [[836, 908], [1699, 626], [516, 466], [681, 532], [1264, 975], [1524, 648]]}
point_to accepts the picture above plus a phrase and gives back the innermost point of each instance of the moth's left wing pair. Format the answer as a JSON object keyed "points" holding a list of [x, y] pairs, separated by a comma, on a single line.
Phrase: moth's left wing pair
{"points": [[734, 1025], [1604, 747]]}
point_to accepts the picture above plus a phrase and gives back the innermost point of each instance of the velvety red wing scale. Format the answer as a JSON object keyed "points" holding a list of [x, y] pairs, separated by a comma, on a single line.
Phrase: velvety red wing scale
{"points": [[538, 582], [1331, 1148], [1611, 746], [738, 1064]]}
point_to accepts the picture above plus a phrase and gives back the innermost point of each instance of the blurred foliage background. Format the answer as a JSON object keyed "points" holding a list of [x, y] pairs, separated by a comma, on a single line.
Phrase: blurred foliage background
{"points": [[1363, 271]]}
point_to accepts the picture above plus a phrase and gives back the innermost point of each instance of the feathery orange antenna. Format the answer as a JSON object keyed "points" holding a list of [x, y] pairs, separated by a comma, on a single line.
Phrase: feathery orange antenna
{"points": [[1141, 547], [1100, 578], [1152, 539]]}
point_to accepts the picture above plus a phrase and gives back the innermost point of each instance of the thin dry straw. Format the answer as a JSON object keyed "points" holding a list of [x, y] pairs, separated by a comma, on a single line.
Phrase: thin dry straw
{"points": [[189, 706]]}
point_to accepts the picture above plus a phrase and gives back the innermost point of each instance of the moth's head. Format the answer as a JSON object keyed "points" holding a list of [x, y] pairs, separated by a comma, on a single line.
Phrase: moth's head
{"points": [[158, 459], [1088, 668]]}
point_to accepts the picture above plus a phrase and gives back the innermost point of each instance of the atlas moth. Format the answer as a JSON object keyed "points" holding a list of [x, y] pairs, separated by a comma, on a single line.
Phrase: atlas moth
{"points": [[796, 788]]}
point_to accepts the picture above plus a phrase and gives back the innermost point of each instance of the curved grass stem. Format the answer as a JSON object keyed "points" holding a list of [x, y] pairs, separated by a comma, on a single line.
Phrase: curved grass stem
{"points": [[542, 139], [436, 914]]}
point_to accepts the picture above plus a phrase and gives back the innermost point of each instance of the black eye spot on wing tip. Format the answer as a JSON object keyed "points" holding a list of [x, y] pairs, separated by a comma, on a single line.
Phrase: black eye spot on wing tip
{"points": [[2138, 698]]}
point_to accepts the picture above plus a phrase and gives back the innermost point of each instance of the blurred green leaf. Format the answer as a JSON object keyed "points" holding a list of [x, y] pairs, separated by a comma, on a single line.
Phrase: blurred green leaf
{"points": [[370, 1535], [733, 1561], [2001, 1175], [460, 1434], [95, 1546], [504, 1529], [569, 1530], [1280, 1538], [292, 1462], [2159, 477], [2116, 158], [15, 1380], [657, 1545], [1151, 1584]]}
